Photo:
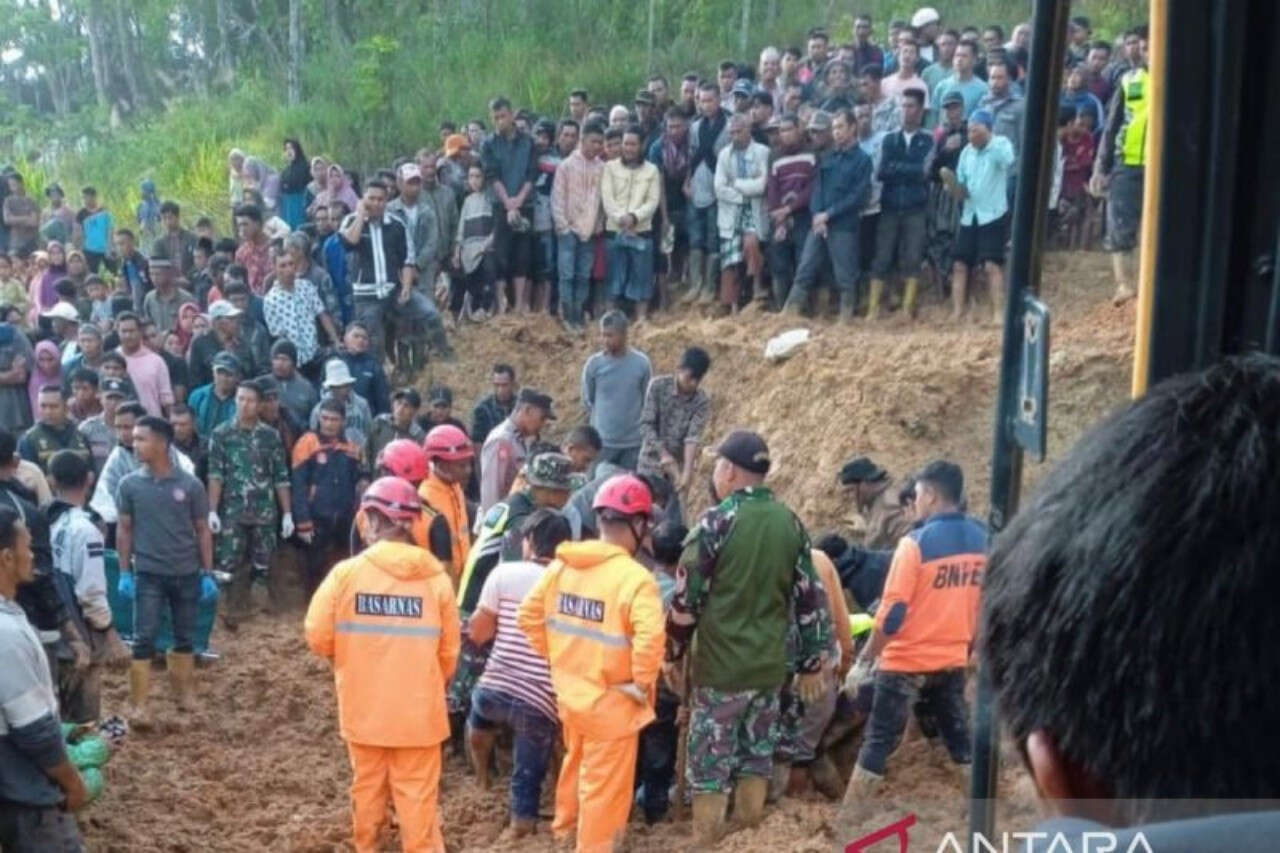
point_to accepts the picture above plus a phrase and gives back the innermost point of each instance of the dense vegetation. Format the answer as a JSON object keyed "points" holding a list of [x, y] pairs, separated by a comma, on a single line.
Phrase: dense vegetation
{"points": [[114, 91]]}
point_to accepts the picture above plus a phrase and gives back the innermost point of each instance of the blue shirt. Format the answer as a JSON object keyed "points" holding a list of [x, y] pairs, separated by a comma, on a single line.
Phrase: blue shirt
{"points": [[971, 90], [985, 174], [97, 231], [209, 409]]}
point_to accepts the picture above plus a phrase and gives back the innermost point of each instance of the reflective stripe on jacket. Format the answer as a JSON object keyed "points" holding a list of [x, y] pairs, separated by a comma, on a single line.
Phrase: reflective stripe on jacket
{"points": [[388, 621], [596, 615]]}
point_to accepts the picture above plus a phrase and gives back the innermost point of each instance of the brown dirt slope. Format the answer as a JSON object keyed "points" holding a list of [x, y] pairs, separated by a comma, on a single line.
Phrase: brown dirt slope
{"points": [[261, 766]]}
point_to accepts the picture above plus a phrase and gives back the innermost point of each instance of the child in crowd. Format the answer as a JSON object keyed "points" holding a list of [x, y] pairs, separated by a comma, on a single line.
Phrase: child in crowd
{"points": [[12, 291], [473, 254], [99, 304]]}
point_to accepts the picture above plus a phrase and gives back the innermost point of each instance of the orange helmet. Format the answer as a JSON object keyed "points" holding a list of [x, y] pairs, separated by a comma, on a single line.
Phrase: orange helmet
{"points": [[394, 497], [624, 495], [448, 443], [404, 458]]}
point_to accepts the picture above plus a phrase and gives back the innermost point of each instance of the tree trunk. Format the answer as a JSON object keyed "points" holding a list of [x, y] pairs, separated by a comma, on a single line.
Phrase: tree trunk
{"points": [[127, 59], [225, 57], [746, 26], [295, 53], [98, 51], [652, 14], [336, 38]]}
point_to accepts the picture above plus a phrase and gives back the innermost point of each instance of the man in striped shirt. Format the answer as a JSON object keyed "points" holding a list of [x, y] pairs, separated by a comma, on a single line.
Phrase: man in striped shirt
{"points": [[515, 689]]}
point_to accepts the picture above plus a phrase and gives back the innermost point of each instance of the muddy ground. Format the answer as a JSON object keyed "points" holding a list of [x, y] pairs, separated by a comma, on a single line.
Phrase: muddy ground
{"points": [[261, 767]]}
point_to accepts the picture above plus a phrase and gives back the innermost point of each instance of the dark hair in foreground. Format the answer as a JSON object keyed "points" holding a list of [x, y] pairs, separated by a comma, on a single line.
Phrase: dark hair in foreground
{"points": [[9, 519], [159, 426], [546, 529], [1129, 608]]}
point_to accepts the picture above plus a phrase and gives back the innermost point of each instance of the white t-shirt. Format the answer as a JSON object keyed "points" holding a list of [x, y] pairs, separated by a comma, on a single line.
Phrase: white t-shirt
{"points": [[514, 667]]}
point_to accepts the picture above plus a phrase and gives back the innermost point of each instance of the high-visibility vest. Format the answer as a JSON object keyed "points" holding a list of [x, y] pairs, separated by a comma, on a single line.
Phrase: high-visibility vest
{"points": [[1135, 86]]}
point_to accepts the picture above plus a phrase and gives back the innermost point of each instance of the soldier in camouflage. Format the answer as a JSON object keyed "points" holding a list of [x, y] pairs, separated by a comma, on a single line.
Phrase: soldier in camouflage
{"points": [[248, 474], [884, 519], [744, 582]]}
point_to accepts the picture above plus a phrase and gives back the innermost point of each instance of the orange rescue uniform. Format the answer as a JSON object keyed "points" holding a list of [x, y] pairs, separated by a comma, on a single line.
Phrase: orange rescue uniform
{"points": [[596, 615], [388, 621], [448, 500], [929, 610]]}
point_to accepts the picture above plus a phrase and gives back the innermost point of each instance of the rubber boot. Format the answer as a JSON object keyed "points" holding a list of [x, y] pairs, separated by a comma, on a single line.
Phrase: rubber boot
{"points": [[748, 800], [182, 676], [873, 305], [910, 295], [480, 753], [848, 302], [696, 272], [711, 281], [863, 785], [708, 817], [139, 687]]}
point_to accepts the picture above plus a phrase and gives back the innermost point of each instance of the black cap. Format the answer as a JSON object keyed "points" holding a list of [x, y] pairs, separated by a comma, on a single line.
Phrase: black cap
{"points": [[861, 470], [268, 386], [286, 348], [410, 396], [747, 450], [226, 361], [530, 397], [117, 388], [440, 395]]}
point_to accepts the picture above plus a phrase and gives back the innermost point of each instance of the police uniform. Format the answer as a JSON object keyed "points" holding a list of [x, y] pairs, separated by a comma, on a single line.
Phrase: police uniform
{"points": [[250, 464]]}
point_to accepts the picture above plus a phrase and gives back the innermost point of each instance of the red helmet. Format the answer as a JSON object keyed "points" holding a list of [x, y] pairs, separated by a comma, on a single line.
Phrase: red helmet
{"points": [[404, 458], [394, 497], [449, 443], [625, 494]]}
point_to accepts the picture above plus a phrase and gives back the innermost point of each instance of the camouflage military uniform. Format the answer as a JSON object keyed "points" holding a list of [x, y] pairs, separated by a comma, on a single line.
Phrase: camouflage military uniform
{"points": [[251, 465], [741, 657]]}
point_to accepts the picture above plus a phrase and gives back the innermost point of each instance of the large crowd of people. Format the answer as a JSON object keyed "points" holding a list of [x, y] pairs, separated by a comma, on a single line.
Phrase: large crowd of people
{"points": [[188, 413]]}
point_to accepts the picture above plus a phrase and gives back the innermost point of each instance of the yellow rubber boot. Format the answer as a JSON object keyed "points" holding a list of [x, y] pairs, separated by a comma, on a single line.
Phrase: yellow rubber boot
{"points": [[877, 295], [708, 817], [910, 295], [182, 679]]}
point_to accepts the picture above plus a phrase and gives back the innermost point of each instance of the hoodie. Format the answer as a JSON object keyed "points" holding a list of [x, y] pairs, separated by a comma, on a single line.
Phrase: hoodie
{"points": [[596, 616], [388, 621]]}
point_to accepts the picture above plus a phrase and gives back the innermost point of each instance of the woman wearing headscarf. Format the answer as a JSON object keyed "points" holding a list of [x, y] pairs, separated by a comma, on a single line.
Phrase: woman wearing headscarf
{"points": [[235, 180], [293, 184], [149, 213], [47, 370], [185, 330], [319, 178], [257, 175], [337, 188], [42, 294]]}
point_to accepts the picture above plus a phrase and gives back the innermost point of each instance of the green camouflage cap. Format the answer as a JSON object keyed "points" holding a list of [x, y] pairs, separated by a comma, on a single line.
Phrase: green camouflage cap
{"points": [[549, 471]]}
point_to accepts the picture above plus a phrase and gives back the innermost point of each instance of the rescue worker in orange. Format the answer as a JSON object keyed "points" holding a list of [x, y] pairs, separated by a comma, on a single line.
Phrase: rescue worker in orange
{"points": [[596, 615], [450, 452], [924, 630], [387, 620], [405, 459]]}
